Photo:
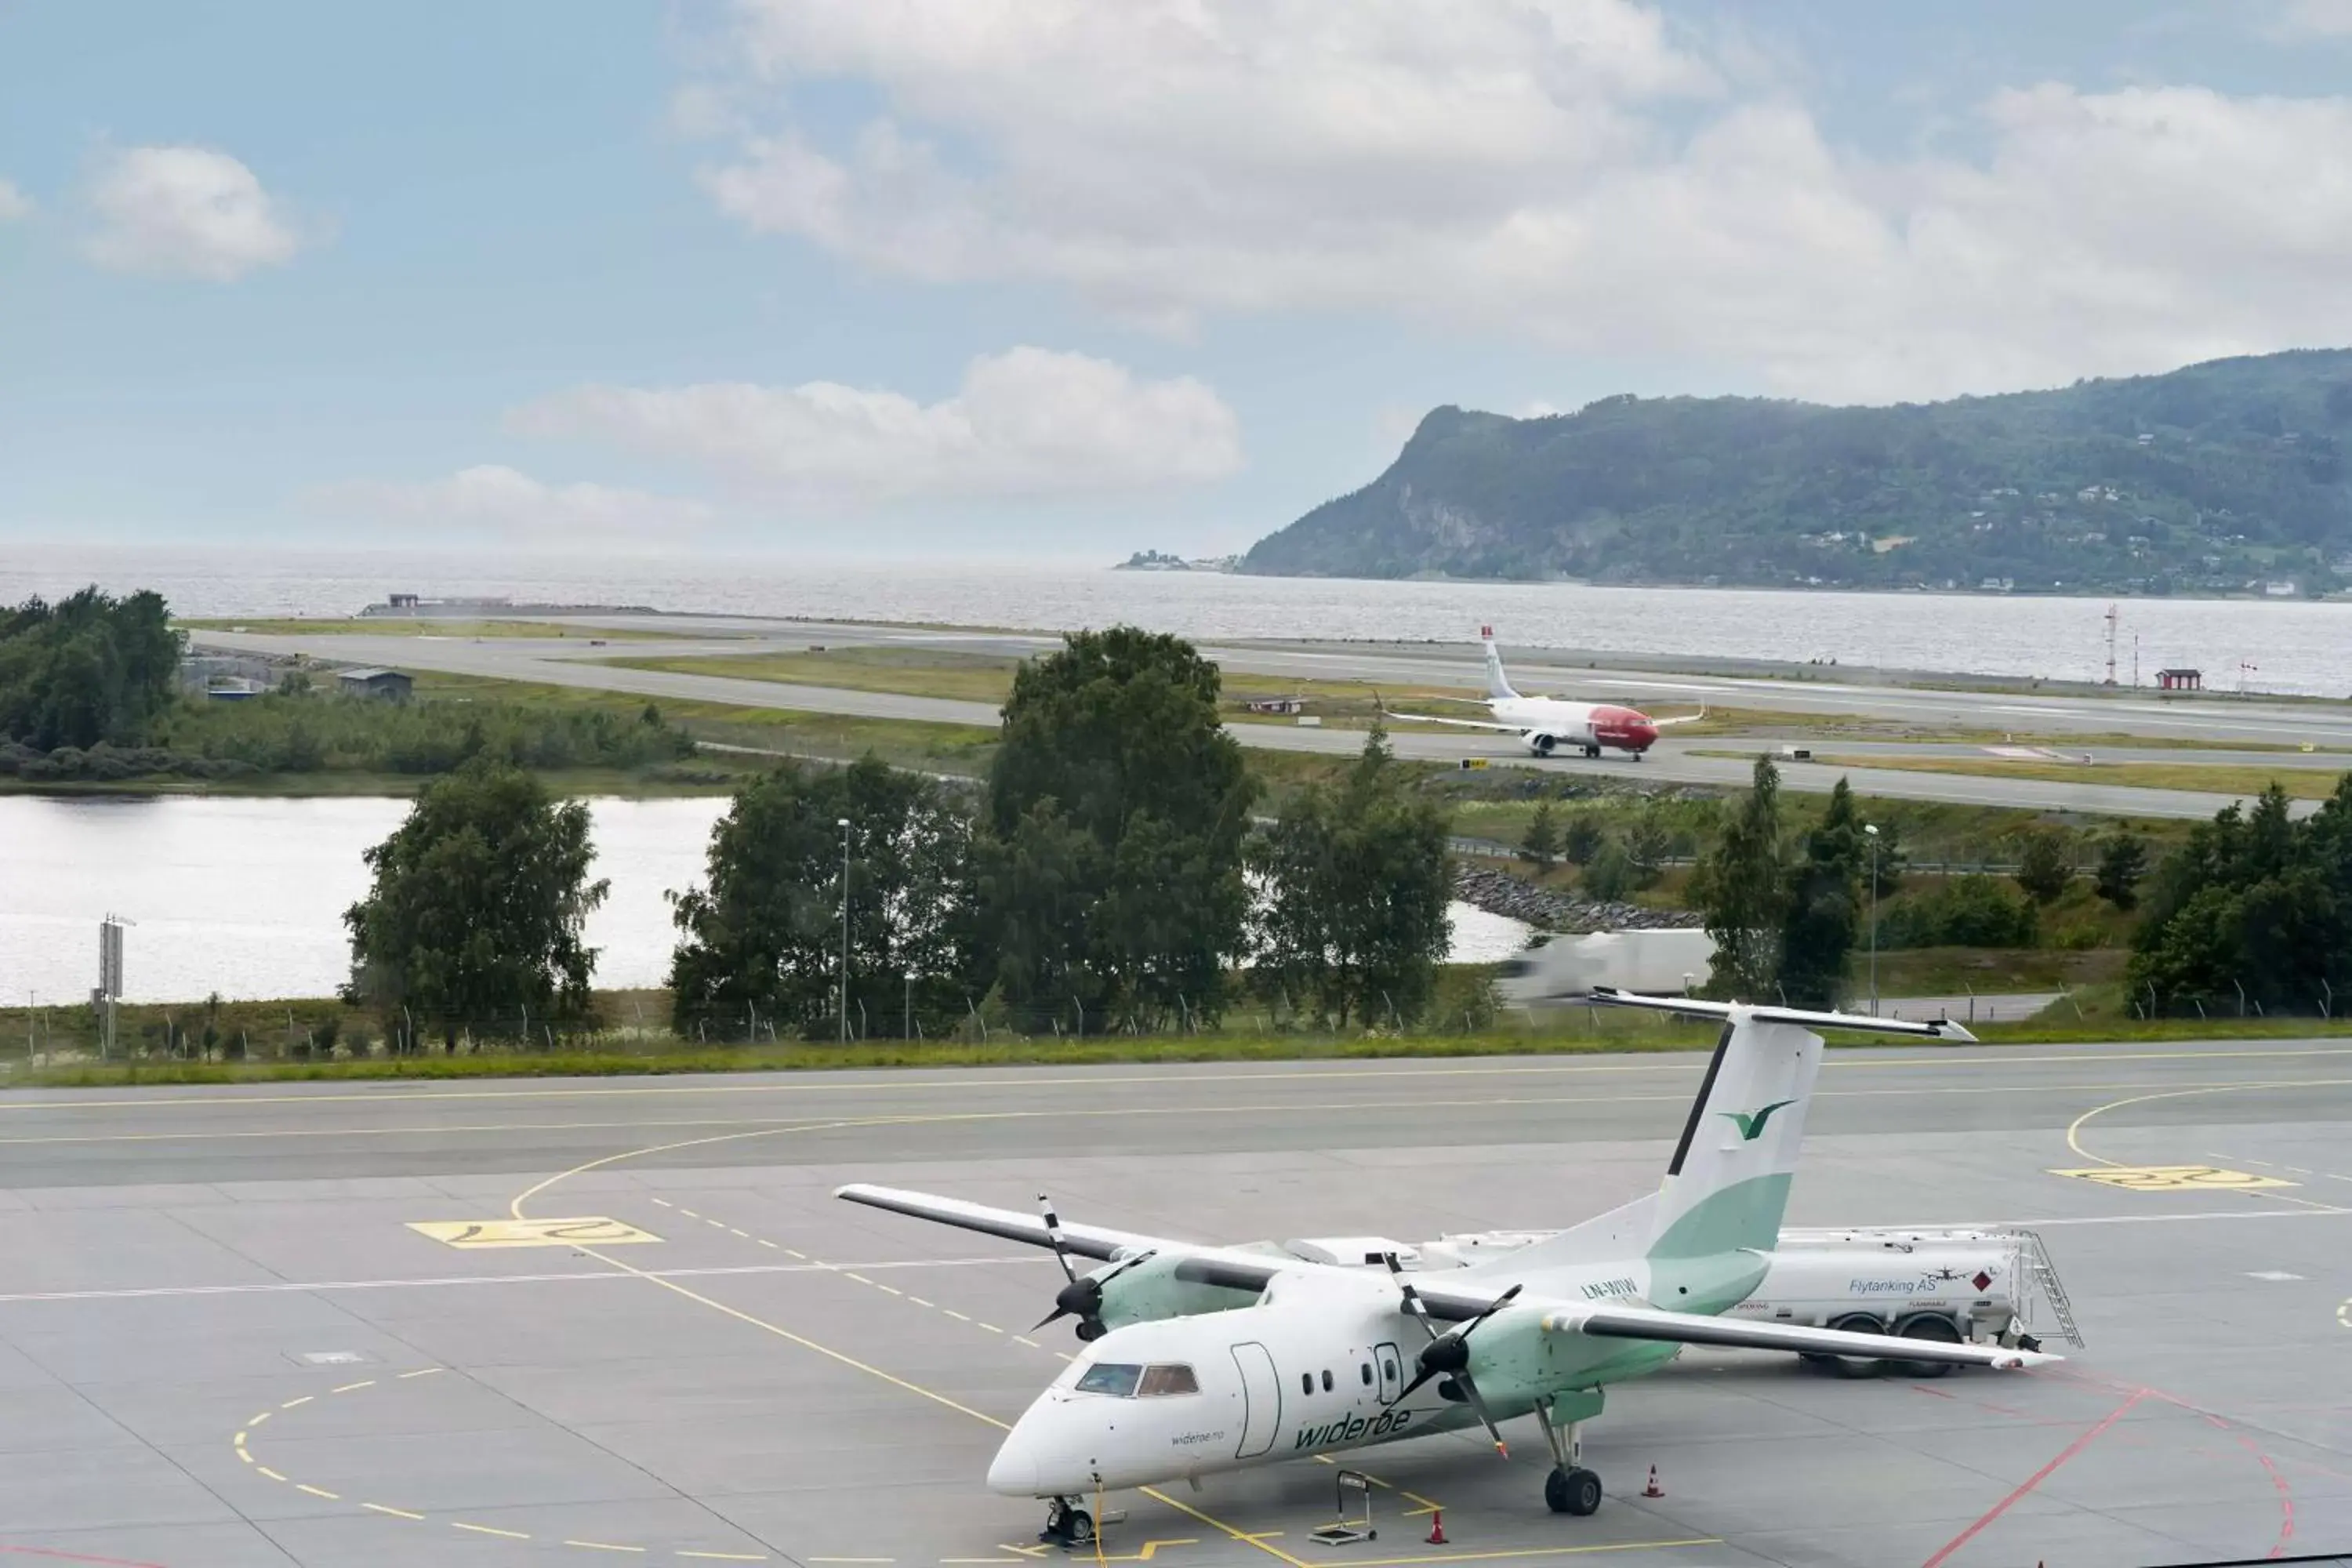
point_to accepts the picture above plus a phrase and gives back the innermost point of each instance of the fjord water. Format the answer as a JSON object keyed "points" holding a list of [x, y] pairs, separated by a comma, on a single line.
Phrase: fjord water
{"points": [[246, 896], [2293, 647]]}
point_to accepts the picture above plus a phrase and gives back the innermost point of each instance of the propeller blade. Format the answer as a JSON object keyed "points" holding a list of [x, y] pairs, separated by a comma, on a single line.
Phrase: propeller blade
{"points": [[1413, 1305], [1470, 1397], [1053, 1236], [1492, 1307]]}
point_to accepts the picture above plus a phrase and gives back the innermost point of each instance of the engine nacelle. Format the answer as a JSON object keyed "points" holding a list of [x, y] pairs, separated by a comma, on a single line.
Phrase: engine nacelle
{"points": [[1539, 742]]}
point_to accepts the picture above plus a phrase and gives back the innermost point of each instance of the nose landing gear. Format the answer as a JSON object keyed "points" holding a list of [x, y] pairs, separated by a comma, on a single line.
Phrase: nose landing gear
{"points": [[1068, 1524]]}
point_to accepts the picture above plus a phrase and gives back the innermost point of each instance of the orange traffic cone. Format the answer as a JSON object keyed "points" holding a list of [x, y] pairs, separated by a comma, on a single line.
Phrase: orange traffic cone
{"points": [[1654, 1489], [1436, 1536]]}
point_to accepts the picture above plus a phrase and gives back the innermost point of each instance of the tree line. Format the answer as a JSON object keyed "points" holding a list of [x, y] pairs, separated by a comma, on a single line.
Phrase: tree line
{"points": [[90, 669], [1108, 875]]}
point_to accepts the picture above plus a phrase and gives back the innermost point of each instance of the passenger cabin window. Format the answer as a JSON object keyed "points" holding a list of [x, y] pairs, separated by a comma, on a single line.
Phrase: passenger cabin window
{"points": [[1305, 1382], [1326, 1380], [1113, 1378], [1165, 1380], [1366, 1370]]}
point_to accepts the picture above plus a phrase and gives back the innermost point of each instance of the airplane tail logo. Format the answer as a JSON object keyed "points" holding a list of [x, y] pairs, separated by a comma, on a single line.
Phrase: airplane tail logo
{"points": [[1498, 685], [1751, 1122]]}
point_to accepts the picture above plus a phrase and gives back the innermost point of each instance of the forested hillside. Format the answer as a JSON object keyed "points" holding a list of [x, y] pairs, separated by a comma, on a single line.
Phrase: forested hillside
{"points": [[2220, 477]]}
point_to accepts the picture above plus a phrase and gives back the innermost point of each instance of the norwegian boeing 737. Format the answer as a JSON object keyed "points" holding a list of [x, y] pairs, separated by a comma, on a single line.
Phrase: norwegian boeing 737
{"points": [[1201, 1359], [1545, 724]]}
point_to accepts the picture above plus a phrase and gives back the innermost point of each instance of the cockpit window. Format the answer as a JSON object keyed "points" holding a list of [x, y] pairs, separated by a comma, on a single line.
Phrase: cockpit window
{"points": [[1160, 1380], [1112, 1378]]}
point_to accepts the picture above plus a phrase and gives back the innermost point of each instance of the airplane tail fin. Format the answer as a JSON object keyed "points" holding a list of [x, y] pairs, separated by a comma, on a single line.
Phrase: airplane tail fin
{"points": [[1498, 685], [1727, 1186]]}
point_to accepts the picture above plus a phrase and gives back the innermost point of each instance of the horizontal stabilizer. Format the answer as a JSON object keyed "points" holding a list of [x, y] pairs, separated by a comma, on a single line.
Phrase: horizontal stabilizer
{"points": [[1741, 1012]]}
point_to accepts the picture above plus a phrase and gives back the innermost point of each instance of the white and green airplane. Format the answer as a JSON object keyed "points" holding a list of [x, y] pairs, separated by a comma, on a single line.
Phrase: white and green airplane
{"points": [[1201, 1359]]}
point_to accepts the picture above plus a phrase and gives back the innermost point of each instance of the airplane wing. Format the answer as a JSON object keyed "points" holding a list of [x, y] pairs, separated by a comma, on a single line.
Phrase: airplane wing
{"points": [[1458, 724], [1084, 1240], [1619, 1323], [1679, 719], [1198, 1264]]}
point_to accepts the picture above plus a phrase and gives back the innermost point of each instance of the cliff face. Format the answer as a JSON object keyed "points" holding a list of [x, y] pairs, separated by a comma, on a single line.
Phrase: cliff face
{"points": [[2206, 479]]}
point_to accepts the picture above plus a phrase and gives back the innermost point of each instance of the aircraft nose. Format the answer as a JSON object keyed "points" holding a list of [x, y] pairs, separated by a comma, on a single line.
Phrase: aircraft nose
{"points": [[1013, 1471]]}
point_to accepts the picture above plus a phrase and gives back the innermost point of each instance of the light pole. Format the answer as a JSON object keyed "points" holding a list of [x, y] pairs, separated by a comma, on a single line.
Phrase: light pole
{"points": [[845, 929], [1870, 830]]}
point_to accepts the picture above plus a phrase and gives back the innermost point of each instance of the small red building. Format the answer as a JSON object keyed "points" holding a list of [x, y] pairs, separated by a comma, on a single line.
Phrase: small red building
{"points": [[2180, 680]]}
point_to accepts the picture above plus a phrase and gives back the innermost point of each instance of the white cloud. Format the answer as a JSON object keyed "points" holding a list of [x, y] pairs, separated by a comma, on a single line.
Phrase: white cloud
{"points": [[507, 502], [1574, 171], [1028, 423], [185, 210], [2314, 19], [13, 203]]}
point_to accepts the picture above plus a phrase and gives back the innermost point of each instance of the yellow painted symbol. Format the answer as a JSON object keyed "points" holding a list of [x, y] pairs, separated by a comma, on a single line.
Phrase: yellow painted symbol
{"points": [[589, 1231], [2176, 1178]]}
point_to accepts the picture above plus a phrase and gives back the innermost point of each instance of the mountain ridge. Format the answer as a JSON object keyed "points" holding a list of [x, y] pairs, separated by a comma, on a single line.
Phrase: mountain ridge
{"points": [[2229, 475]]}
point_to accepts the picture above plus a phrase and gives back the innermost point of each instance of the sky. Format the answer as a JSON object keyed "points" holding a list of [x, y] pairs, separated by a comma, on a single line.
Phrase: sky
{"points": [[969, 279]]}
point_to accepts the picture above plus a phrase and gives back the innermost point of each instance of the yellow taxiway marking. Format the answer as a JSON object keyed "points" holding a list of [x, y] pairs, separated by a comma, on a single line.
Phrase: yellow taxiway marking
{"points": [[466, 1525], [515, 1207], [2174, 1178], [2344, 1314], [472, 1234], [292, 1403], [2074, 1128], [762, 1557], [812, 1083]]}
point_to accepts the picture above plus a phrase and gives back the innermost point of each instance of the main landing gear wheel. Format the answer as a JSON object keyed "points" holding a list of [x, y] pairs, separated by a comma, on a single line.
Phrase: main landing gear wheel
{"points": [[1576, 1491], [1066, 1524]]}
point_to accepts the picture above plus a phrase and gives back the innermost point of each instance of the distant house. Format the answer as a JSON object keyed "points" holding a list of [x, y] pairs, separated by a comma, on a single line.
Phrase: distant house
{"points": [[1283, 705], [2180, 680], [403, 602], [385, 685]]}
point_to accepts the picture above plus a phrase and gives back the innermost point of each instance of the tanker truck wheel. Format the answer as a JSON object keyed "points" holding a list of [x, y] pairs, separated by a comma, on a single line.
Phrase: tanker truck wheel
{"points": [[1855, 1366], [1926, 1326]]}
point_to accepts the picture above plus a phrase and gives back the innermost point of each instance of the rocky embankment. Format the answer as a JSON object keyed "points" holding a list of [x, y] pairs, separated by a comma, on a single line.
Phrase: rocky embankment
{"points": [[1500, 893]]}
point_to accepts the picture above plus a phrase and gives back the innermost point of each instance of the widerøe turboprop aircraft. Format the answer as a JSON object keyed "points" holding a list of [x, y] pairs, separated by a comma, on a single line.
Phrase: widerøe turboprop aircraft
{"points": [[1322, 1358], [1545, 724]]}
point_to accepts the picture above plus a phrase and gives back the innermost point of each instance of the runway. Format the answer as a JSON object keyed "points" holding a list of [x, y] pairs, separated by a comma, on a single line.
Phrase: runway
{"points": [[225, 1342], [570, 661]]}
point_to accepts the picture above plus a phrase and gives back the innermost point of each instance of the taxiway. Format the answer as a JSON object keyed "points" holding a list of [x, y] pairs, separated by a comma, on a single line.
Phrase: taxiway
{"points": [[225, 1341]]}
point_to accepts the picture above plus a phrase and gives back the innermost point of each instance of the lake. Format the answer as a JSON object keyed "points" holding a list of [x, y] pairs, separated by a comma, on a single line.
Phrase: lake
{"points": [[246, 896], [2289, 646]]}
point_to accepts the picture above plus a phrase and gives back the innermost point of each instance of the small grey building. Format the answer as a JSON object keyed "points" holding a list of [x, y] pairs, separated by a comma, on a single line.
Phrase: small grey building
{"points": [[385, 685]]}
